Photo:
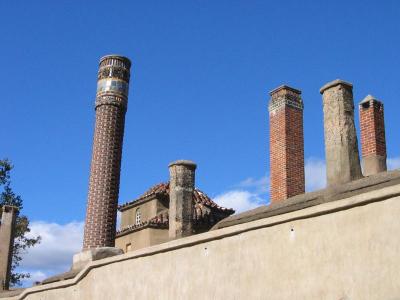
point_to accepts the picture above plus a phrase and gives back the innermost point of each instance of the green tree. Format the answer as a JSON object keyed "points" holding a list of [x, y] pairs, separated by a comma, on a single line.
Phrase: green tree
{"points": [[21, 241]]}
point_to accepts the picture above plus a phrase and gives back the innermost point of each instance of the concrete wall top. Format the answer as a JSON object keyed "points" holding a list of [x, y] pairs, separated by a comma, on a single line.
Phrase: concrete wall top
{"points": [[326, 195]]}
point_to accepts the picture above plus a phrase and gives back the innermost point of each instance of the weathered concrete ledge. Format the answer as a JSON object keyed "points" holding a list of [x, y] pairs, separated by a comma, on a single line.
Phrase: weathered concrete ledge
{"points": [[11, 293], [60, 277], [335, 83], [83, 258], [303, 201]]}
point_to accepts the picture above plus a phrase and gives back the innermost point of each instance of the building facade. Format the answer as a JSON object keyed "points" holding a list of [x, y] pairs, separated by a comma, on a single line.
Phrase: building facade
{"points": [[145, 220]]}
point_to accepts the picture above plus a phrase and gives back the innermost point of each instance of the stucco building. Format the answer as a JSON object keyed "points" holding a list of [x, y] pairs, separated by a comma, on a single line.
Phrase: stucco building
{"points": [[145, 220]]}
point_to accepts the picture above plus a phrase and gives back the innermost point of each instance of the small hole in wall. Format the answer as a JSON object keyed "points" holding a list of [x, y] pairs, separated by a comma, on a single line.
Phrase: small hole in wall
{"points": [[205, 248], [291, 229]]}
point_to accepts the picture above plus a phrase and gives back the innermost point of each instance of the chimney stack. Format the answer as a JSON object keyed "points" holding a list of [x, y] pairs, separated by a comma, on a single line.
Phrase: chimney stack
{"points": [[341, 147], [373, 142], [7, 231], [111, 104], [286, 143], [181, 204]]}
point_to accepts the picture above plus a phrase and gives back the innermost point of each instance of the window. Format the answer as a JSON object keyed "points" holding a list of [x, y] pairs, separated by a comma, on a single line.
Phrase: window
{"points": [[138, 216], [128, 247]]}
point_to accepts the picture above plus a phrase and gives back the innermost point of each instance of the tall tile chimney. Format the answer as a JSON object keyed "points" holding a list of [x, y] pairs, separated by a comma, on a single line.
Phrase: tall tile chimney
{"points": [[286, 143], [373, 141], [181, 203], [111, 105], [7, 230], [341, 148]]}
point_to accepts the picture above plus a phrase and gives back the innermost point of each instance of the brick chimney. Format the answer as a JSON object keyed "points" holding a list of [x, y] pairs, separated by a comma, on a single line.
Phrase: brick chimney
{"points": [[373, 142], [286, 143], [181, 204], [111, 104], [341, 147], [7, 229]]}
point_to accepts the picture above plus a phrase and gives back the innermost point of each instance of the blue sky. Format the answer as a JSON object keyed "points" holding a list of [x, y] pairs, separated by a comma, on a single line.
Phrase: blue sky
{"points": [[201, 72]]}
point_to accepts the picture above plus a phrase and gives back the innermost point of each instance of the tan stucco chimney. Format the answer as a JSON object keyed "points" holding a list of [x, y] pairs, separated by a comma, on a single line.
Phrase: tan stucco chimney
{"points": [[7, 229], [181, 205], [341, 146]]}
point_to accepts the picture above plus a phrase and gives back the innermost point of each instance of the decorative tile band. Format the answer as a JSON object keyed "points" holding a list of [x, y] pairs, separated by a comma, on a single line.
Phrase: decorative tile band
{"points": [[112, 85], [280, 102]]}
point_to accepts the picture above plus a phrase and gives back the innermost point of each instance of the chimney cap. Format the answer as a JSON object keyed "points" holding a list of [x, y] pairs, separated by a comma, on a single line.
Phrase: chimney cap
{"points": [[368, 99], [284, 87], [117, 56], [8, 208], [335, 83], [183, 162]]}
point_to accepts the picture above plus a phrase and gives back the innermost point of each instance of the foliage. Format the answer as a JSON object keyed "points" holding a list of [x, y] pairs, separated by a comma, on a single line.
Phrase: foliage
{"points": [[21, 242]]}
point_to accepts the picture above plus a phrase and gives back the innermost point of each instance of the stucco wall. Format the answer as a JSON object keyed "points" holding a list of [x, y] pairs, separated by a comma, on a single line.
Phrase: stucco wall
{"points": [[148, 210], [142, 238], [346, 249]]}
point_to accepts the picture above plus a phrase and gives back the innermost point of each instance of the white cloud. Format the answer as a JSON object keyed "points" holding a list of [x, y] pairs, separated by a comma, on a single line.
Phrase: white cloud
{"points": [[393, 163], [118, 219], [36, 276], [259, 186], [54, 254], [240, 200], [253, 192], [315, 173]]}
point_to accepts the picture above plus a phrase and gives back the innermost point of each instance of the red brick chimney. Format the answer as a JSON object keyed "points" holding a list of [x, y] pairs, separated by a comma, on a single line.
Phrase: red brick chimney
{"points": [[286, 143], [373, 141]]}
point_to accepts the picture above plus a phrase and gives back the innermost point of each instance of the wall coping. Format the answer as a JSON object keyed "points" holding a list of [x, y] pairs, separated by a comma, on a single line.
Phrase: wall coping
{"points": [[303, 201]]}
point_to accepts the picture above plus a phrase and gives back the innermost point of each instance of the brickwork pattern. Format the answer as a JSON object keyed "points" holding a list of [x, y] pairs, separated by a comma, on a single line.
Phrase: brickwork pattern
{"points": [[372, 126], [101, 212], [286, 144]]}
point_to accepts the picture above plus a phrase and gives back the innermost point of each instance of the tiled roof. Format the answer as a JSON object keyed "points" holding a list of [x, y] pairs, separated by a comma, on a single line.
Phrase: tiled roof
{"points": [[199, 197]]}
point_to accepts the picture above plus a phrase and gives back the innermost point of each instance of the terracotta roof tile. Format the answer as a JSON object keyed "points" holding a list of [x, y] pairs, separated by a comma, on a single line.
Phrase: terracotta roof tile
{"points": [[159, 221], [198, 196]]}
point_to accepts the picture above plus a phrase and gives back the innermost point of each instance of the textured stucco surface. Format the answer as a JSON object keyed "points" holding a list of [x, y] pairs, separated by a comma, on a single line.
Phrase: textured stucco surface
{"points": [[373, 164], [181, 206], [341, 146], [142, 238], [7, 231], [148, 210], [344, 249]]}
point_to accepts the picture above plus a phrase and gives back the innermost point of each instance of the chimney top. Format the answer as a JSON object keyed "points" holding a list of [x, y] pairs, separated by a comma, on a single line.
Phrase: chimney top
{"points": [[335, 83], [368, 99], [182, 162], [284, 87], [9, 208], [122, 58]]}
